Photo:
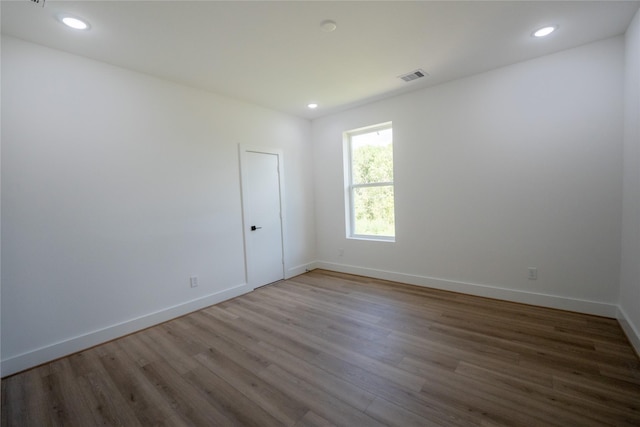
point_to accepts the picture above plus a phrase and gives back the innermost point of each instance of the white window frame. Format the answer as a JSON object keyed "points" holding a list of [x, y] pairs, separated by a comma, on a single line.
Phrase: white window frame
{"points": [[350, 186]]}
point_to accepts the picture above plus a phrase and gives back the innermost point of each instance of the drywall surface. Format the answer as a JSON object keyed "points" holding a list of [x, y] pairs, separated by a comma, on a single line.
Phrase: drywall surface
{"points": [[514, 168], [630, 266], [116, 188]]}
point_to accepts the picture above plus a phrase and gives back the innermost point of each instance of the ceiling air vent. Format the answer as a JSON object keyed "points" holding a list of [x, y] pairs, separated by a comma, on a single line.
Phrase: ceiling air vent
{"points": [[417, 74], [38, 2]]}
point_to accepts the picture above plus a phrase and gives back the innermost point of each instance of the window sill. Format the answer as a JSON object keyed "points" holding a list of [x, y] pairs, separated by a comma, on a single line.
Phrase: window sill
{"points": [[388, 239]]}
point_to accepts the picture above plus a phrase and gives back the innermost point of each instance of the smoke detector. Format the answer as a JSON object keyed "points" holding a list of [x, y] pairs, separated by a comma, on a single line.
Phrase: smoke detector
{"points": [[38, 2], [417, 74]]}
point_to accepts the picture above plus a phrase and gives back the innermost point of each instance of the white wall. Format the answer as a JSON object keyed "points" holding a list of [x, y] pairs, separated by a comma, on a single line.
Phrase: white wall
{"points": [[630, 266], [116, 187], [514, 168]]}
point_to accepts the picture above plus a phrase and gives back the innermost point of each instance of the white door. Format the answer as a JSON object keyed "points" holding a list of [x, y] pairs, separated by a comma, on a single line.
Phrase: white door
{"points": [[262, 216]]}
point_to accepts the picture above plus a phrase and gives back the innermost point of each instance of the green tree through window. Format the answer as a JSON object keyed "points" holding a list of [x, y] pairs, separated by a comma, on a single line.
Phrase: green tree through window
{"points": [[371, 196]]}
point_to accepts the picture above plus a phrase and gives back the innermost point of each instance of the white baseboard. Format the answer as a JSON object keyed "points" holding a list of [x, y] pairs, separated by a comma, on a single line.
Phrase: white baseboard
{"points": [[51, 352], [632, 332], [544, 300], [301, 269], [42, 355]]}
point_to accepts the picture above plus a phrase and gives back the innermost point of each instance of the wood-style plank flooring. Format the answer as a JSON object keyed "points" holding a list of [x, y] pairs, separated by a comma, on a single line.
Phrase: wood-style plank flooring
{"points": [[325, 349]]}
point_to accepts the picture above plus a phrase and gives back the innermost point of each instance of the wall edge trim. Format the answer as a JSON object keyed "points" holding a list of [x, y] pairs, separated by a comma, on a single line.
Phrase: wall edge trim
{"points": [[300, 269], [33, 358], [631, 331], [487, 291]]}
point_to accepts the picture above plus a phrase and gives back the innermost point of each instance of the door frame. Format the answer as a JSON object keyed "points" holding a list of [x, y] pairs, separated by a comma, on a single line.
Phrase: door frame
{"points": [[242, 153]]}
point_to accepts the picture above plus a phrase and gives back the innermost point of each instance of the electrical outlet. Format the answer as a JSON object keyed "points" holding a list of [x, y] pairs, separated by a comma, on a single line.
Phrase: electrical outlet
{"points": [[193, 281], [340, 252], [533, 273]]}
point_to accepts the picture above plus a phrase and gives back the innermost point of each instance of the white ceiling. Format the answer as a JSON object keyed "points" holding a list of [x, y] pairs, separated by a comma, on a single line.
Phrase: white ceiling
{"points": [[274, 53]]}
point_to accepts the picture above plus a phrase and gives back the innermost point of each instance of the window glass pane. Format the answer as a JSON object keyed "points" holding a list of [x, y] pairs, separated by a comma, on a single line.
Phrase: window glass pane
{"points": [[373, 211], [372, 157]]}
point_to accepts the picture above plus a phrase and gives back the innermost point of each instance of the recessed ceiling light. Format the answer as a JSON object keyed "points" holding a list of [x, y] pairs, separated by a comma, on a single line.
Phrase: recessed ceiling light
{"points": [[545, 31], [328, 26], [75, 23], [312, 106]]}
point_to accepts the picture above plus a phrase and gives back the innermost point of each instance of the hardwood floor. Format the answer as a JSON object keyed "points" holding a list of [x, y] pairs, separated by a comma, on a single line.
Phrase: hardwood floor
{"points": [[326, 349]]}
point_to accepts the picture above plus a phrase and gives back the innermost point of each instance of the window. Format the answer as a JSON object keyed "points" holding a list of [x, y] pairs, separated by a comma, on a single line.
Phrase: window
{"points": [[369, 187]]}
